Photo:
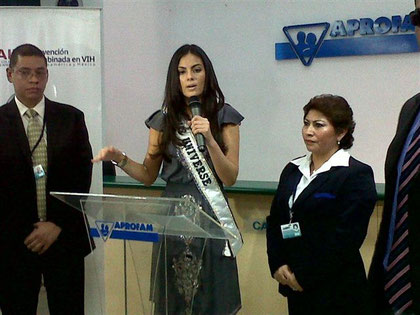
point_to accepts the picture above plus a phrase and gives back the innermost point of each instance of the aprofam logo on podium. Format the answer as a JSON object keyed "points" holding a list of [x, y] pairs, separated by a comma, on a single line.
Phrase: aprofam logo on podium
{"points": [[105, 229], [134, 231], [355, 37]]}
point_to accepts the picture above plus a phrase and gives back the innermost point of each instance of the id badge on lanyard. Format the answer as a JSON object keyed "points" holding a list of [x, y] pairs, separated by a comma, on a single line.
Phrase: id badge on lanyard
{"points": [[39, 171], [292, 229]]}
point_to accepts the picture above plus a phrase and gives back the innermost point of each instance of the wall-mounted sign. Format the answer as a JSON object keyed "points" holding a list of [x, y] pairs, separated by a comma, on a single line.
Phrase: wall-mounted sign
{"points": [[355, 37]]}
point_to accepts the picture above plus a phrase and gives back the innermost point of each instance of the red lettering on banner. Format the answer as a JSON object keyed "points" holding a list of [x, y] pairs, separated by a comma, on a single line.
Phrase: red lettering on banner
{"points": [[2, 54]]}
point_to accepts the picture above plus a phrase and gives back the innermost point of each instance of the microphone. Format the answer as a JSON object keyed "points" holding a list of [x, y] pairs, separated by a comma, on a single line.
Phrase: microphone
{"points": [[195, 105]]}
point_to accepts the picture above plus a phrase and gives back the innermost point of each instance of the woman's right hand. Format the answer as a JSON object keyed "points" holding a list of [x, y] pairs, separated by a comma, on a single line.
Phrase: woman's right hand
{"points": [[108, 154]]}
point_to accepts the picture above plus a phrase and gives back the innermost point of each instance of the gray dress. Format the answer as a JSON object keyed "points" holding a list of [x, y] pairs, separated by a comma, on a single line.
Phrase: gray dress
{"points": [[217, 290]]}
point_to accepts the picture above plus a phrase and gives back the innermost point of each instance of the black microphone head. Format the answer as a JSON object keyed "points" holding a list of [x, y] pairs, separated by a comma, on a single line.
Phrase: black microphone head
{"points": [[195, 105], [194, 101]]}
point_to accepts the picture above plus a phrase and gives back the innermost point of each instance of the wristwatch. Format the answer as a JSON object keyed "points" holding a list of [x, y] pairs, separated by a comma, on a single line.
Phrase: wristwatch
{"points": [[121, 163]]}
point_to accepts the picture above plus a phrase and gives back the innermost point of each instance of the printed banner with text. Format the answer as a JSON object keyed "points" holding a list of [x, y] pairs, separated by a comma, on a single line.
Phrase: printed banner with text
{"points": [[71, 41]]}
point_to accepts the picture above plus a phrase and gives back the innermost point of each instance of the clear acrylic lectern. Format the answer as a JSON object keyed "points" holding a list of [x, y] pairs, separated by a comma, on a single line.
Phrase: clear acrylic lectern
{"points": [[137, 234]]}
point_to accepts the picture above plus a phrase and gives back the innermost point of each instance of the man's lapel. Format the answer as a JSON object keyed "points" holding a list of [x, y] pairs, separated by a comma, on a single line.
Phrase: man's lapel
{"points": [[17, 129], [405, 124], [53, 128]]}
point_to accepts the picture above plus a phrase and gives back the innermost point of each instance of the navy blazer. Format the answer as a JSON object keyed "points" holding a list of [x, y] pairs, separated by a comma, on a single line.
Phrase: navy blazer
{"points": [[69, 169], [376, 272], [333, 213]]}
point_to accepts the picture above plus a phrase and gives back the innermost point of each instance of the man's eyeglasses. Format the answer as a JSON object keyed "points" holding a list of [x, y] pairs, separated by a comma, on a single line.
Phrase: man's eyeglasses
{"points": [[26, 74], [415, 17]]}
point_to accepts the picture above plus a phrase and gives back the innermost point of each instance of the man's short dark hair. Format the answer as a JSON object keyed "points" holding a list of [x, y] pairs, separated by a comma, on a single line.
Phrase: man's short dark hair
{"points": [[25, 50]]}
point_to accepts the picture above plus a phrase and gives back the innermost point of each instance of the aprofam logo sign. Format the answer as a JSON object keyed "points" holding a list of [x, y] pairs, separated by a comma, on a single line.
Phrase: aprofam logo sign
{"points": [[355, 37]]}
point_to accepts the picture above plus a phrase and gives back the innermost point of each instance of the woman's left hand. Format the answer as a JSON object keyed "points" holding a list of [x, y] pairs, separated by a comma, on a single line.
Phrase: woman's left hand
{"points": [[285, 276], [201, 125], [294, 284]]}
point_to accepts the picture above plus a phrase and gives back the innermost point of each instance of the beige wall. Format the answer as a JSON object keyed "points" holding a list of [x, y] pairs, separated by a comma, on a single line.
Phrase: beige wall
{"points": [[258, 289]]}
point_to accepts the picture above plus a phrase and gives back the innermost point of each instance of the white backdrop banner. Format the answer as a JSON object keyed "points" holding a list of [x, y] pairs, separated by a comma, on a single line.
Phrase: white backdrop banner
{"points": [[71, 40]]}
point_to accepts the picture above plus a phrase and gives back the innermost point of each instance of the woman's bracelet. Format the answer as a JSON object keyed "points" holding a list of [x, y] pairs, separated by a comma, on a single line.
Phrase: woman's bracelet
{"points": [[121, 163]]}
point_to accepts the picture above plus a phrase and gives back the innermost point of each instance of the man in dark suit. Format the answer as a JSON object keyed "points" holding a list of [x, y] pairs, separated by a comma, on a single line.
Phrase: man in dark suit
{"points": [[40, 237], [395, 270]]}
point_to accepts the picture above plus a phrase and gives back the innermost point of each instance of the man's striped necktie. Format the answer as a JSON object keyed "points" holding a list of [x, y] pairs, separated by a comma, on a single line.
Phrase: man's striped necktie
{"points": [[39, 157], [397, 278]]}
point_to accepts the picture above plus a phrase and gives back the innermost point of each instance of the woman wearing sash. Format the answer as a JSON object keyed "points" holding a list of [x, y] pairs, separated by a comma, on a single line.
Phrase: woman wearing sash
{"points": [[319, 217], [196, 175]]}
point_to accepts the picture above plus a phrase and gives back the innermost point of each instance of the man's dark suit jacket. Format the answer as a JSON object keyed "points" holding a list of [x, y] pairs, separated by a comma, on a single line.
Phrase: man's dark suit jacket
{"points": [[333, 213], [69, 170], [376, 272]]}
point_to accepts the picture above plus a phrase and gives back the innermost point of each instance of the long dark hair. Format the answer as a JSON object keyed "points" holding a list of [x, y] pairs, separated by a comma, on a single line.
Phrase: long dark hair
{"points": [[174, 106]]}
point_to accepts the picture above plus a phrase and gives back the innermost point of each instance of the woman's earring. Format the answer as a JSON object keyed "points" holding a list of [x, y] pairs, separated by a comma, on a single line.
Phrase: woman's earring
{"points": [[338, 142]]}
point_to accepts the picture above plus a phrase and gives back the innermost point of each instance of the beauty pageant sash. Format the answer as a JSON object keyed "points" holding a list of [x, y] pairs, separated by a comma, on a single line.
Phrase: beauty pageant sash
{"points": [[194, 161]]}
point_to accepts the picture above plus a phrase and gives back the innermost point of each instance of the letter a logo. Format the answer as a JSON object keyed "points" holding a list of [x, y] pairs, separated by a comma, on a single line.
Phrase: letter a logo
{"points": [[306, 39], [105, 229]]}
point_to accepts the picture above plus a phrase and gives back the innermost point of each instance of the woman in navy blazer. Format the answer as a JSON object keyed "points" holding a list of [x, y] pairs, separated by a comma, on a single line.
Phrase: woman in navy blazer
{"points": [[319, 217]]}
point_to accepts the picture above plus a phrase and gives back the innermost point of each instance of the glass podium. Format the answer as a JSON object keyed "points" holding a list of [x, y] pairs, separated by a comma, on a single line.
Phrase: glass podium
{"points": [[147, 239]]}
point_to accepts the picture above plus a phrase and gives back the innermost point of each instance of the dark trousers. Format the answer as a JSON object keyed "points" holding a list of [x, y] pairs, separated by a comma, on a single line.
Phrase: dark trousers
{"points": [[63, 279], [330, 302]]}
